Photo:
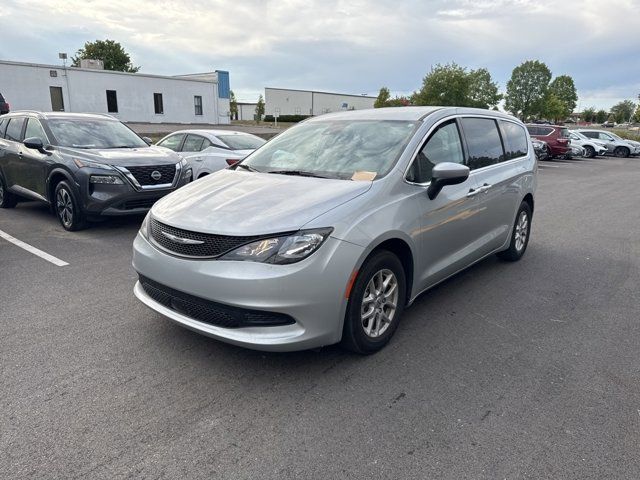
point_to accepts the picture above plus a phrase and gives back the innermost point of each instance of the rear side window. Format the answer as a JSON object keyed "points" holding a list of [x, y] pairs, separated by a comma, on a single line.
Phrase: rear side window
{"points": [[173, 142], [193, 143], [533, 130], [590, 134], [14, 129], [444, 145], [515, 140], [545, 130], [483, 142]]}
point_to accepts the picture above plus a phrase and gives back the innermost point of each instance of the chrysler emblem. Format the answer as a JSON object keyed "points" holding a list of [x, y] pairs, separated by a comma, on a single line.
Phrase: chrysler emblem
{"points": [[156, 175], [183, 241]]}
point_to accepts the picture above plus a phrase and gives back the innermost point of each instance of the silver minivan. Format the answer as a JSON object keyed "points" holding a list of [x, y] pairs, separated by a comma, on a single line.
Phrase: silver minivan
{"points": [[330, 230]]}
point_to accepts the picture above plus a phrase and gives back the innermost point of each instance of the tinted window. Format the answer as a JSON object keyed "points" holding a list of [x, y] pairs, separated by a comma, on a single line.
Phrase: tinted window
{"points": [[2, 125], [193, 143], [14, 129], [544, 130], [242, 142], [444, 145], [483, 142], [590, 134], [515, 140], [532, 130], [34, 129], [172, 142]]}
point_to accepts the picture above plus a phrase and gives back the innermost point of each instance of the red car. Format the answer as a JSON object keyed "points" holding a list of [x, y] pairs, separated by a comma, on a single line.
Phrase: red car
{"points": [[557, 138], [4, 106]]}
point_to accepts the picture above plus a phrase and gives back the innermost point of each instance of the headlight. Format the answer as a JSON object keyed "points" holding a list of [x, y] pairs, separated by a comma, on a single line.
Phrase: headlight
{"points": [[281, 250], [106, 179], [144, 228], [86, 163]]}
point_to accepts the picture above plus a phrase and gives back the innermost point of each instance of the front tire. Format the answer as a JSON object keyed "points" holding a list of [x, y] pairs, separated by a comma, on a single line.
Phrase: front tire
{"points": [[519, 235], [67, 208], [376, 303], [590, 152], [7, 199]]}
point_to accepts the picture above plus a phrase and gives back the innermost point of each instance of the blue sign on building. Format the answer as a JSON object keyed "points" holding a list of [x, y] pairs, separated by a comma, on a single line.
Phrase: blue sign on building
{"points": [[223, 83]]}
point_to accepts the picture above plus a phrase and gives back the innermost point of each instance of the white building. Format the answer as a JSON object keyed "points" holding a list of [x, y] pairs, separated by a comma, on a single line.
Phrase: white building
{"points": [[284, 101], [246, 111], [131, 97]]}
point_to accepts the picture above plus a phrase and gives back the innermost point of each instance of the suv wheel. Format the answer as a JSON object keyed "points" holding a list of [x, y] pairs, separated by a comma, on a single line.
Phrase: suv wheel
{"points": [[590, 152], [519, 235], [375, 304], [7, 199], [622, 152], [67, 208]]}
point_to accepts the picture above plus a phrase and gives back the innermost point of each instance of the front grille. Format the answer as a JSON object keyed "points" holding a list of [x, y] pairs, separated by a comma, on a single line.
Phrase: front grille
{"points": [[210, 312], [211, 246], [143, 174], [138, 203]]}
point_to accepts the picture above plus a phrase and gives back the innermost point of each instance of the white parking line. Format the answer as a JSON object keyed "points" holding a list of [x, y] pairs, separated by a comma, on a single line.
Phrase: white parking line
{"points": [[34, 250]]}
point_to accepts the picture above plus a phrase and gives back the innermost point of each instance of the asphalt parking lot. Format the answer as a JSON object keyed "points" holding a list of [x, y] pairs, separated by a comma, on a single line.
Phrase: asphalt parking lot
{"points": [[525, 370]]}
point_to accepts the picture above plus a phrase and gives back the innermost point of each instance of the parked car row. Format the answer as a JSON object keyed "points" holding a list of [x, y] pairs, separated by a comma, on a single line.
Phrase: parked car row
{"points": [[564, 143]]}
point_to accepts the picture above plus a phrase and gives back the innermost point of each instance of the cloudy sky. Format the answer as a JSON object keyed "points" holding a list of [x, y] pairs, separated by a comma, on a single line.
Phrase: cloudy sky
{"points": [[353, 46]]}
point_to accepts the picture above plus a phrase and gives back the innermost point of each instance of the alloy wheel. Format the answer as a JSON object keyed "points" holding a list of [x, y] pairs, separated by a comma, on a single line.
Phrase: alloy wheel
{"points": [[522, 230], [64, 206], [379, 303]]}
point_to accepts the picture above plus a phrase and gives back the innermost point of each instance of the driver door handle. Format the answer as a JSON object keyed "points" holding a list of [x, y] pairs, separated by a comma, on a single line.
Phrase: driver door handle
{"points": [[473, 192], [485, 188]]}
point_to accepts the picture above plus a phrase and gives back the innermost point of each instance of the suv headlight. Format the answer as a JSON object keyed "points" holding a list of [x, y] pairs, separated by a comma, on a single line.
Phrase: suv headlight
{"points": [[281, 250], [106, 179], [81, 163]]}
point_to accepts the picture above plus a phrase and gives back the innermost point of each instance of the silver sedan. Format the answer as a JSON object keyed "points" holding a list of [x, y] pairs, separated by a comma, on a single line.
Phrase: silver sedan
{"points": [[208, 151]]}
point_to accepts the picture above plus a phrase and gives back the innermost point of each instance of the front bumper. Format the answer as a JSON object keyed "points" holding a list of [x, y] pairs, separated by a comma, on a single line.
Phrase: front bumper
{"points": [[312, 292]]}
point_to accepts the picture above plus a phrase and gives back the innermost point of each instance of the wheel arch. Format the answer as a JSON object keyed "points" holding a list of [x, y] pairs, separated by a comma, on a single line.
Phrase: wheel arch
{"points": [[56, 176]]}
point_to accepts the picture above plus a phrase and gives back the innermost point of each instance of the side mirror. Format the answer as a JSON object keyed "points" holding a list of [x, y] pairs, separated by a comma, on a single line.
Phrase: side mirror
{"points": [[147, 140], [34, 143], [446, 173]]}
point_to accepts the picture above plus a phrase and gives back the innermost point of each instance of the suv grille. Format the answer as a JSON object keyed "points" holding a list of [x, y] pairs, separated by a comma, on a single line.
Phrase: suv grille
{"points": [[210, 312], [211, 246], [143, 174]]}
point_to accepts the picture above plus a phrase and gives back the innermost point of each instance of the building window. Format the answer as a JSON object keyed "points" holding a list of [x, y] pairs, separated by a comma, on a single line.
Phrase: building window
{"points": [[157, 103], [112, 101], [197, 101]]}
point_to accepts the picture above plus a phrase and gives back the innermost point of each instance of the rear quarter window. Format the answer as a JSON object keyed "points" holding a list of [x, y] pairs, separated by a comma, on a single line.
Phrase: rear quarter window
{"points": [[483, 142], [515, 139], [532, 130], [545, 130]]}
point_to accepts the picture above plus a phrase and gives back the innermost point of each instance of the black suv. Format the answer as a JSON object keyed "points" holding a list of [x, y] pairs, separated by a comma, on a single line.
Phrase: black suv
{"points": [[83, 166], [4, 106]]}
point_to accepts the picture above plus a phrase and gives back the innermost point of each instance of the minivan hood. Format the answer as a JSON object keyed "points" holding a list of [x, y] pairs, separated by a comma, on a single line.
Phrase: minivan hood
{"points": [[232, 202], [123, 157]]}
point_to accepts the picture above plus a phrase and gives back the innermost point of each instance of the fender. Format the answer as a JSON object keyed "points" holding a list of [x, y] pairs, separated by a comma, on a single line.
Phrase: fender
{"points": [[67, 175]]}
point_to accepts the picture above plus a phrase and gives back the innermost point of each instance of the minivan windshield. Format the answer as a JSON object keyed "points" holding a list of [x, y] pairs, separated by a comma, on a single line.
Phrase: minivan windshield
{"points": [[242, 142], [93, 133], [334, 149]]}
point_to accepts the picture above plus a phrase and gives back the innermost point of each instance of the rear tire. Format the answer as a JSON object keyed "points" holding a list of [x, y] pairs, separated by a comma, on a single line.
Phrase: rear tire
{"points": [[519, 235], [376, 303], [67, 208], [7, 199], [621, 152]]}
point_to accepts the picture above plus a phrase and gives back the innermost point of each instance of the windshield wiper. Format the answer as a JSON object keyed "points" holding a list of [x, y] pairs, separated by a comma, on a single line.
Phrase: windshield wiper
{"points": [[122, 146], [247, 167], [299, 173]]}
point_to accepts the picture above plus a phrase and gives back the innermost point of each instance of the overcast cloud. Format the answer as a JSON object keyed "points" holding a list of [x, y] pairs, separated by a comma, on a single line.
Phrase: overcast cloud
{"points": [[352, 46]]}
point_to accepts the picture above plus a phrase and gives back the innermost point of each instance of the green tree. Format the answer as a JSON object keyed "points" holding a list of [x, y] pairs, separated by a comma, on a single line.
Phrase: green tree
{"points": [[446, 85], [601, 116], [483, 91], [233, 105], [259, 109], [110, 52], [527, 89], [383, 98], [453, 85], [554, 108], [564, 89], [623, 111], [589, 114], [636, 116]]}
